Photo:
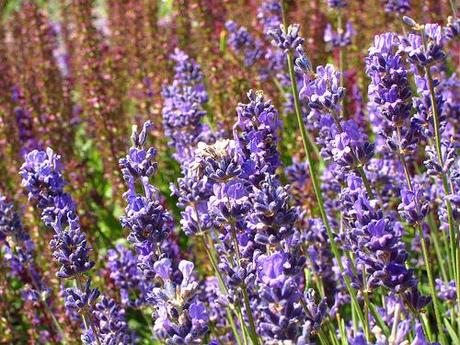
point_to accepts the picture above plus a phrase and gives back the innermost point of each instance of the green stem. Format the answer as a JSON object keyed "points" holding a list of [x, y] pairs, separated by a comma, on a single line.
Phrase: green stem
{"points": [[317, 190], [453, 6], [458, 290], [233, 326], [394, 329], [426, 258], [452, 232], [437, 246], [308, 138], [332, 333], [379, 320], [366, 315], [316, 186], [434, 296], [222, 285], [47, 308], [247, 304], [341, 55], [403, 162], [279, 87], [426, 326], [323, 338], [341, 324]]}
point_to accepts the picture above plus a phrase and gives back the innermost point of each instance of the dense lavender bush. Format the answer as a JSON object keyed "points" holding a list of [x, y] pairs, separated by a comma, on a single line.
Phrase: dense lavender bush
{"points": [[292, 176]]}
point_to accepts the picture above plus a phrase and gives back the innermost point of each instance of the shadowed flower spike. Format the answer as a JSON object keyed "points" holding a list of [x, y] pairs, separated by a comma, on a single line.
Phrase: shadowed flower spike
{"points": [[145, 216], [269, 14], [282, 312], [255, 135], [272, 218], [414, 205], [242, 42], [10, 222], [339, 39], [123, 266], [415, 300], [183, 107], [70, 250], [424, 54], [324, 91], [337, 4], [397, 7], [42, 176], [81, 301], [111, 319], [181, 317]]}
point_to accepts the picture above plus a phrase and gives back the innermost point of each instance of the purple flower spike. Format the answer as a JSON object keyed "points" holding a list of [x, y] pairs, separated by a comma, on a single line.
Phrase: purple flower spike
{"points": [[42, 176], [397, 7], [287, 40], [414, 205], [181, 317], [324, 91]]}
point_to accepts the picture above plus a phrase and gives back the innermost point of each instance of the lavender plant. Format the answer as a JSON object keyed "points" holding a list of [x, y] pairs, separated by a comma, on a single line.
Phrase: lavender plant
{"points": [[292, 175]]}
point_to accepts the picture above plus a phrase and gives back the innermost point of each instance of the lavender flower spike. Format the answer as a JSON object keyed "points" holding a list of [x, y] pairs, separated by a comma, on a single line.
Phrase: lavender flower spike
{"points": [[42, 177]]}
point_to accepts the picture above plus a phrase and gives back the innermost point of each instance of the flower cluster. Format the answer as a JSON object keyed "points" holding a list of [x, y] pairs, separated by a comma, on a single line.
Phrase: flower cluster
{"points": [[145, 216], [339, 39], [181, 317], [398, 7], [42, 177], [321, 210], [183, 106], [287, 39], [241, 41]]}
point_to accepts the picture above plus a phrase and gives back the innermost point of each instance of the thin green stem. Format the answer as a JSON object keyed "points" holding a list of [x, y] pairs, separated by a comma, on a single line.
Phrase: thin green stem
{"points": [[233, 327], [450, 218], [394, 328], [426, 326], [341, 325], [434, 296], [379, 320], [279, 87], [426, 258], [453, 6], [222, 286], [437, 247], [315, 183], [403, 162], [308, 138], [458, 290], [323, 338], [367, 331], [247, 304], [47, 307], [317, 189], [341, 55], [332, 333]]}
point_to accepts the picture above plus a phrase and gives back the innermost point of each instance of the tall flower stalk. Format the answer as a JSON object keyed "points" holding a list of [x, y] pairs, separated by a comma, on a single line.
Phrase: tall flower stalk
{"points": [[288, 39]]}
